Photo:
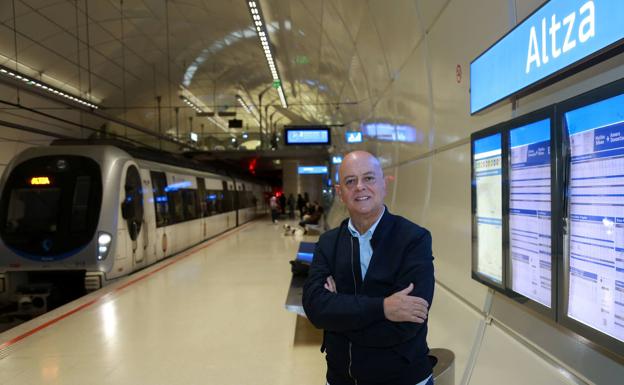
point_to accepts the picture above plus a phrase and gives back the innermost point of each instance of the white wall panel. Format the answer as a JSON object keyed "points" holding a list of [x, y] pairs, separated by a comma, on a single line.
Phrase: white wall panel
{"points": [[448, 217], [398, 31], [504, 359], [412, 189], [526, 7], [410, 98], [464, 30], [453, 325], [429, 11]]}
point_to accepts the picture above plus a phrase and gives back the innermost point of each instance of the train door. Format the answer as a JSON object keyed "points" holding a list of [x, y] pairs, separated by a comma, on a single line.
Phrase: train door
{"points": [[147, 247], [228, 204], [202, 207], [161, 213], [132, 213], [236, 203]]}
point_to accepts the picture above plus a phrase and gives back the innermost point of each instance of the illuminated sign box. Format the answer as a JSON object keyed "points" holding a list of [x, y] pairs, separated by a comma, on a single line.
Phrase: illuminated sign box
{"points": [[560, 34], [312, 170], [391, 132], [309, 135], [353, 137]]}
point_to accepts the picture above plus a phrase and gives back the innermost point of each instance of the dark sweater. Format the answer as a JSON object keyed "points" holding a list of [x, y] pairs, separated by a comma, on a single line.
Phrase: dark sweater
{"points": [[361, 344]]}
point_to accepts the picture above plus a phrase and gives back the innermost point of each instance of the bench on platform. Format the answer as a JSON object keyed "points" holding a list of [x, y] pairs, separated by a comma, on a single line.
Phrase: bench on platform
{"points": [[295, 291]]}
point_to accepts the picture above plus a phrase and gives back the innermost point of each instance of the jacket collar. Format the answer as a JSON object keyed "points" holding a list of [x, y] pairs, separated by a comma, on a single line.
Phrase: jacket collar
{"points": [[383, 228]]}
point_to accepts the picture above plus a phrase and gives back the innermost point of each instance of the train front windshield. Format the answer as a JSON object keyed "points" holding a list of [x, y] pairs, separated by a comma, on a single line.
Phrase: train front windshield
{"points": [[50, 206]]}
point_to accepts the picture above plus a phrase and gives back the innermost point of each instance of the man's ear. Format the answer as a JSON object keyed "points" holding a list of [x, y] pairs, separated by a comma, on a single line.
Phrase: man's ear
{"points": [[338, 192], [389, 179]]}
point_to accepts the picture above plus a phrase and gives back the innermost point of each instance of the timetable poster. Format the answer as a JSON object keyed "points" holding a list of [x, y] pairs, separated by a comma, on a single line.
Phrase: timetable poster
{"points": [[596, 207], [488, 181], [529, 211]]}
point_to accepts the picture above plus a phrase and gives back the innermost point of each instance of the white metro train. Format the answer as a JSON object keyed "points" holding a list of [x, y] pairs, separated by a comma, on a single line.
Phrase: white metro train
{"points": [[79, 216]]}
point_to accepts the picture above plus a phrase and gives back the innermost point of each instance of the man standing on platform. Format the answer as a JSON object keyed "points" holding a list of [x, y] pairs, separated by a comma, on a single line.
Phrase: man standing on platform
{"points": [[370, 286]]}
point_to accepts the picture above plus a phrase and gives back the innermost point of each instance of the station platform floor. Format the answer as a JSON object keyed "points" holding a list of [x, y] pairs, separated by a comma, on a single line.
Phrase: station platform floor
{"points": [[212, 315]]}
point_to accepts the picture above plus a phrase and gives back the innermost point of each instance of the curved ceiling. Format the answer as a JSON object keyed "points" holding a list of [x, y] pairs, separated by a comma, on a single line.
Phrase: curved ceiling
{"points": [[338, 59]]}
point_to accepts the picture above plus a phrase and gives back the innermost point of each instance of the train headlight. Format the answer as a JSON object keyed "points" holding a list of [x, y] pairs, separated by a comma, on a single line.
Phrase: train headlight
{"points": [[104, 242]]}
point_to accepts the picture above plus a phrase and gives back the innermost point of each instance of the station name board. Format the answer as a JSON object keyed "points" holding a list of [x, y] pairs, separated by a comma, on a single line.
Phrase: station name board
{"points": [[558, 35]]}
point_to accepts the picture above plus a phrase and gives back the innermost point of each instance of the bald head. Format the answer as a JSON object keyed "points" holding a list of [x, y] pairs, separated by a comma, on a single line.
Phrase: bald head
{"points": [[362, 187], [360, 158]]}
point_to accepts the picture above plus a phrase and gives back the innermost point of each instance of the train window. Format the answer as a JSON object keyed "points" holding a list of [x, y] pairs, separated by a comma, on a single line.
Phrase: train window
{"points": [[33, 211], [213, 203], [50, 206], [132, 207], [221, 202], [161, 209], [189, 201], [201, 196], [176, 207], [80, 204], [228, 201]]}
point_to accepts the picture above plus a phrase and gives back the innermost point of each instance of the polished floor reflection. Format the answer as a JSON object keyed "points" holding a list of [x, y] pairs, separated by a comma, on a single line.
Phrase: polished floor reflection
{"points": [[213, 316]]}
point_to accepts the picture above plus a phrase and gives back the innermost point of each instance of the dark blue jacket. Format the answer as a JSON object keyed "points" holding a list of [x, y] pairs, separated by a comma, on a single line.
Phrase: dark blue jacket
{"points": [[361, 344]]}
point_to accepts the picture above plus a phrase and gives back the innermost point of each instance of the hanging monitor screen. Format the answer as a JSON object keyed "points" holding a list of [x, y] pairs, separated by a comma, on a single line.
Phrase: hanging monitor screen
{"points": [[487, 173], [306, 135], [530, 211], [302, 170], [596, 215]]}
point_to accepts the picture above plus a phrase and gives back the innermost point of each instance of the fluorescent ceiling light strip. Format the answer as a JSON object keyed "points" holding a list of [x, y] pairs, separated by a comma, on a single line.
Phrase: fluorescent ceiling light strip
{"points": [[280, 91], [260, 24], [36, 83]]}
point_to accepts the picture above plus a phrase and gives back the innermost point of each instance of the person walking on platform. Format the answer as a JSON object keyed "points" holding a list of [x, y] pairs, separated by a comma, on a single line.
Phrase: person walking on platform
{"points": [[370, 286], [300, 205], [291, 206], [274, 208]]}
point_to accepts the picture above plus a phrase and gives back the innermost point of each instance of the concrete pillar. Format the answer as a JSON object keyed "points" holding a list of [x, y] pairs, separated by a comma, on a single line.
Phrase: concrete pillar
{"points": [[298, 184]]}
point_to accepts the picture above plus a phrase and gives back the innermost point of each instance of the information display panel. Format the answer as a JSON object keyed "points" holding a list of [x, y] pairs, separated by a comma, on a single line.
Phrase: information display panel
{"points": [[310, 135], [530, 250], [595, 258], [487, 258]]}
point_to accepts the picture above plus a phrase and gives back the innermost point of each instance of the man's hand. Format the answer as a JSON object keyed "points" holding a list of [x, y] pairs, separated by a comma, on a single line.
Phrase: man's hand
{"points": [[330, 284], [401, 307]]}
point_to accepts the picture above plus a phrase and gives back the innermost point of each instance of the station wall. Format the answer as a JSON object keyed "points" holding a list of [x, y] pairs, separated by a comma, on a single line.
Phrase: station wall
{"points": [[494, 338]]}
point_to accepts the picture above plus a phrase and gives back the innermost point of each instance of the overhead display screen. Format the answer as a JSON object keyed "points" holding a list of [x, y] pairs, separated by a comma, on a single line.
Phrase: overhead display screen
{"points": [[530, 211], [596, 214], [488, 187], [307, 136], [353, 137], [312, 169]]}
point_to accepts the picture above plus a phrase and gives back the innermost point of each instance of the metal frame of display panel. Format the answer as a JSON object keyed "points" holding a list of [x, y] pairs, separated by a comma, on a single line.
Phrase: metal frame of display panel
{"points": [[476, 275], [600, 341], [555, 191]]}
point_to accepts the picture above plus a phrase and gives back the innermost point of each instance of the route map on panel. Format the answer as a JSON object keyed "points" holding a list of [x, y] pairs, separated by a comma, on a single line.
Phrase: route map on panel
{"points": [[488, 178], [596, 214]]}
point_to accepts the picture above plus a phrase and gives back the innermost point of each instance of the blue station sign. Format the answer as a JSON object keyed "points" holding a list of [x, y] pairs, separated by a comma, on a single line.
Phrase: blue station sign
{"points": [[558, 35]]}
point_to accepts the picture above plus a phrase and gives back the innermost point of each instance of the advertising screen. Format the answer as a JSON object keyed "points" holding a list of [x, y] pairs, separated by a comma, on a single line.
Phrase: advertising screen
{"points": [[530, 211], [488, 191], [596, 216]]}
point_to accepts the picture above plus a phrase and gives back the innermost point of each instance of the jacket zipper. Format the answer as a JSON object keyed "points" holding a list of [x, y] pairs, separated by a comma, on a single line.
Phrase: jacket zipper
{"points": [[355, 292]]}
